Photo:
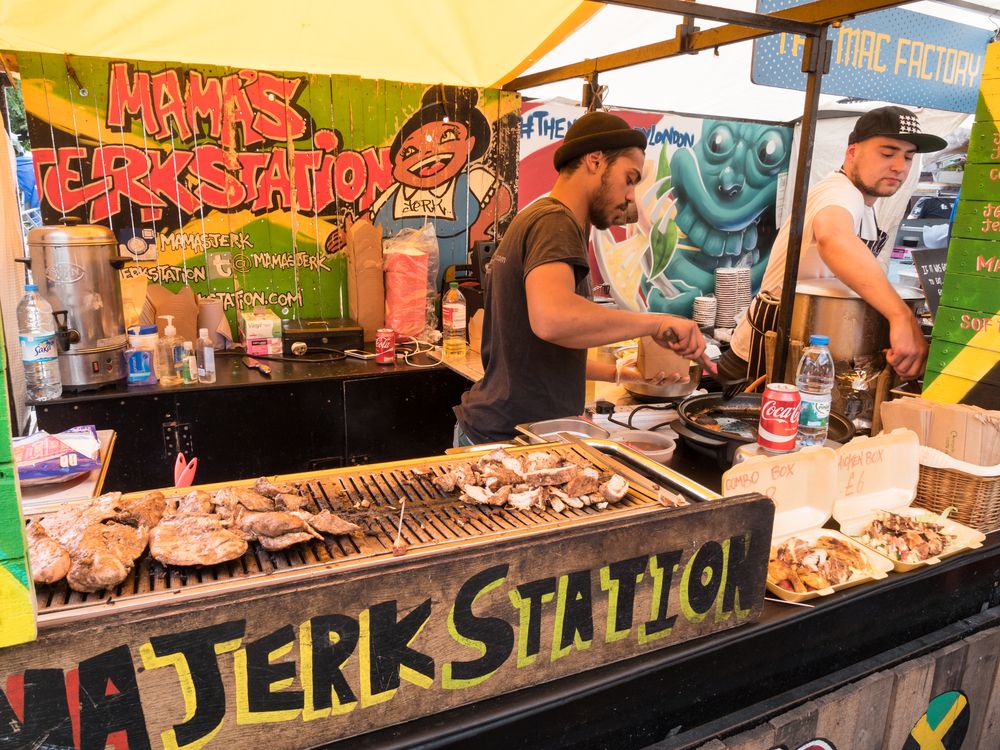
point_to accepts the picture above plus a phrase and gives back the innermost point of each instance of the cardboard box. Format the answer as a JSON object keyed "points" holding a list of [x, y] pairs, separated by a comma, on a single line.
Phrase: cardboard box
{"points": [[265, 346], [365, 282], [260, 323], [962, 431], [654, 359]]}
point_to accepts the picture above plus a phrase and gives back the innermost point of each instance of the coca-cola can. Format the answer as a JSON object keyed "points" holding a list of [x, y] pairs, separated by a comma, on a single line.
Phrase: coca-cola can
{"points": [[779, 418], [385, 346]]}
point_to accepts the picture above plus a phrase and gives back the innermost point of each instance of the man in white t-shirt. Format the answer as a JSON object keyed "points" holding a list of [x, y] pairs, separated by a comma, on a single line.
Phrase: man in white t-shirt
{"points": [[841, 237]]}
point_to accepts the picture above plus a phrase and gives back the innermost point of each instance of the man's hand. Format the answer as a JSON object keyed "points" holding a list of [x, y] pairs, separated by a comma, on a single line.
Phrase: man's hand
{"points": [[682, 336], [908, 348], [630, 374]]}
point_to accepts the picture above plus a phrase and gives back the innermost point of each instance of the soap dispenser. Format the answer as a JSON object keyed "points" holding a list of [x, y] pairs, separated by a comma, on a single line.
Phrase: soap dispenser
{"points": [[170, 349]]}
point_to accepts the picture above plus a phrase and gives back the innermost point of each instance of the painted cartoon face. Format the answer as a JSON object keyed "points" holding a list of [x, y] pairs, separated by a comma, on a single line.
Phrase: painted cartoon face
{"points": [[617, 189], [879, 166], [433, 154], [723, 185]]}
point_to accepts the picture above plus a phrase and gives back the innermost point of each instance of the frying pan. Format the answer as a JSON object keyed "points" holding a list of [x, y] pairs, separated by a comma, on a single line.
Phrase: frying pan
{"points": [[841, 430]]}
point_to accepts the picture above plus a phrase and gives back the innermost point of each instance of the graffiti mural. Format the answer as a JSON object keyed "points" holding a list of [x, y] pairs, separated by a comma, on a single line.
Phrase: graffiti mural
{"points": [[241, 183], [706, 201], [440, 176]]}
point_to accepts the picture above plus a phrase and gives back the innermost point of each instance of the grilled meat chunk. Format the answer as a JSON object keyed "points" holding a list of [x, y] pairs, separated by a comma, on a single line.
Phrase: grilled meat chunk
{"points": [[194, 539], [330, 523], [49, 560]]}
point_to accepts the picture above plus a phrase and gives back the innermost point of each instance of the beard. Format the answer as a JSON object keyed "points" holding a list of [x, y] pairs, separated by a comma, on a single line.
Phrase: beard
{"points": [[872, 191], [602, 211]]}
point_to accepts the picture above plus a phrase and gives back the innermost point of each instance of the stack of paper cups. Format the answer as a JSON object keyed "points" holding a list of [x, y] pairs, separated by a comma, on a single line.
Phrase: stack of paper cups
{"points": [[704, 311], [212, 317]]}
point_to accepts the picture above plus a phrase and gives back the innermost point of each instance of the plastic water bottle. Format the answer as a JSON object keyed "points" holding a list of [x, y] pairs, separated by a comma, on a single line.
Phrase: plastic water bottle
{"points": [[39, 352], [453, 322], [814, 377], [205, 353]]}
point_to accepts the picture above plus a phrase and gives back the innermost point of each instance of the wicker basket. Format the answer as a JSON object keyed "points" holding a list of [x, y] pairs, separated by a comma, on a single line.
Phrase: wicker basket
{"points": [[977, 499]]}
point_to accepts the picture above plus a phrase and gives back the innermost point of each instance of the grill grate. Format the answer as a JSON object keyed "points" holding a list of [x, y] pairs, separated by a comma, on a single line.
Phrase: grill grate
{"points": [[371, 499]]}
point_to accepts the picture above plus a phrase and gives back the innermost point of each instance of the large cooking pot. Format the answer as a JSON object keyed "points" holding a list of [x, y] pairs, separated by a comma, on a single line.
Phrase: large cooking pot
{"points": [[76, 269], [855, 328]]}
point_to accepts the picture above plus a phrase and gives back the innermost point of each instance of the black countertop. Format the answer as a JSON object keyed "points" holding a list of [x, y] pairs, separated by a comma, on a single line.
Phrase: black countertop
{"points": [[232, 373]]}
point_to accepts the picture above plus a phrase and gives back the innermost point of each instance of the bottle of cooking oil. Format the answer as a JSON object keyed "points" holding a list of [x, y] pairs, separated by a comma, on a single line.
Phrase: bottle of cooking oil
{"points": [[453, 322]]}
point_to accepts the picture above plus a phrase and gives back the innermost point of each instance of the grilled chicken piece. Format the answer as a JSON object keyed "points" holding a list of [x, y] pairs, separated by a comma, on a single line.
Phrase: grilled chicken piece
{"points": [[541, 460], [96, 569], [330, 523], [550, 476], [614, 489], [290, 502], [456, 476], [134, 511], [194, 539], [275, 543], [231, 497], [104, 555], [196, 501], [274, 524], [49, 560], [583, 482], [67, 525], [269, 489]]}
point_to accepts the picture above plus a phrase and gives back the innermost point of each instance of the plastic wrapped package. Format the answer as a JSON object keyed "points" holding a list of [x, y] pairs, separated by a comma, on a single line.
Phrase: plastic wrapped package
{"points": [[411, 267]]}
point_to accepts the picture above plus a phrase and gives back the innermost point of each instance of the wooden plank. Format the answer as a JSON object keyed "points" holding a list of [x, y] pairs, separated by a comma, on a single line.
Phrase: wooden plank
{"points": [[990, 727], [968, 362], [949, 663], [978, 682], [752, 739], [961, 326], [911, 691], [854, 716], [793, 728], [710, 745], [984, 143]]}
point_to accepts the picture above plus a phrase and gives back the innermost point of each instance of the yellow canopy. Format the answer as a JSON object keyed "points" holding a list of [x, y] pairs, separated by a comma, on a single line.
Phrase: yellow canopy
{"points": [[461, 42]]}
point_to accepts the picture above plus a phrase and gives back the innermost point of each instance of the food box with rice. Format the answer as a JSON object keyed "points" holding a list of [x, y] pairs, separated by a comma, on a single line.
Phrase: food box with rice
{"points": [[806, 560], [876, 483]]}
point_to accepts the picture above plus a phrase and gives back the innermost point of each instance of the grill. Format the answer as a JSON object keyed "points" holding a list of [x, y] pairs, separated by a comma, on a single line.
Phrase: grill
{"points": [[371, 498]]}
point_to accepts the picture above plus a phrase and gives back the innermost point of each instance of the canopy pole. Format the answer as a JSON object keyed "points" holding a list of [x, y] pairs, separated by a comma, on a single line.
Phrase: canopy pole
{"points": [[815, 62]]}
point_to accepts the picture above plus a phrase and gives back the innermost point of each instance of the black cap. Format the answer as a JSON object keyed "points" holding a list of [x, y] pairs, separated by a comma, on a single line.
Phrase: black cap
{"points": [[597, 131], [898, 123]]}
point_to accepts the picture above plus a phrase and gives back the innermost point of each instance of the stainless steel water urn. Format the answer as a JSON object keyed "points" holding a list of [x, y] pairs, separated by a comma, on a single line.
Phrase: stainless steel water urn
{"points": [[76, 268]]}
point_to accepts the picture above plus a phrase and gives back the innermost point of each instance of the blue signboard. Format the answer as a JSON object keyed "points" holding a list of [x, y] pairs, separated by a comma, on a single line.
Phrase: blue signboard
{"points": [[890, 55]]}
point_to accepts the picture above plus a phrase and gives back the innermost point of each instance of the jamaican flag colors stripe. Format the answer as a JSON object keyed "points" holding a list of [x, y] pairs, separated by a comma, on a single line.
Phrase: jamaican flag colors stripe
{"points": [[964, 361], [944, 725]]}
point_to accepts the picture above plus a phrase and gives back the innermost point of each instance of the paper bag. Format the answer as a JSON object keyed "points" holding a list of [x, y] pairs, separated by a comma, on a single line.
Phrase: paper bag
{"points": [[654, 359], [365, 288]]}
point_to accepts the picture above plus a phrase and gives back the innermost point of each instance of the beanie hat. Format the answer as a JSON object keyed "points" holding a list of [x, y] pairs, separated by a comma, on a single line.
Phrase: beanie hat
{"points": [[597, 131], [898, 123]]}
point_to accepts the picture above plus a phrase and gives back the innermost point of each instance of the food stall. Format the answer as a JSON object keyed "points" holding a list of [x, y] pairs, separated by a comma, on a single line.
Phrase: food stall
{"points": [[439, 621]]}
